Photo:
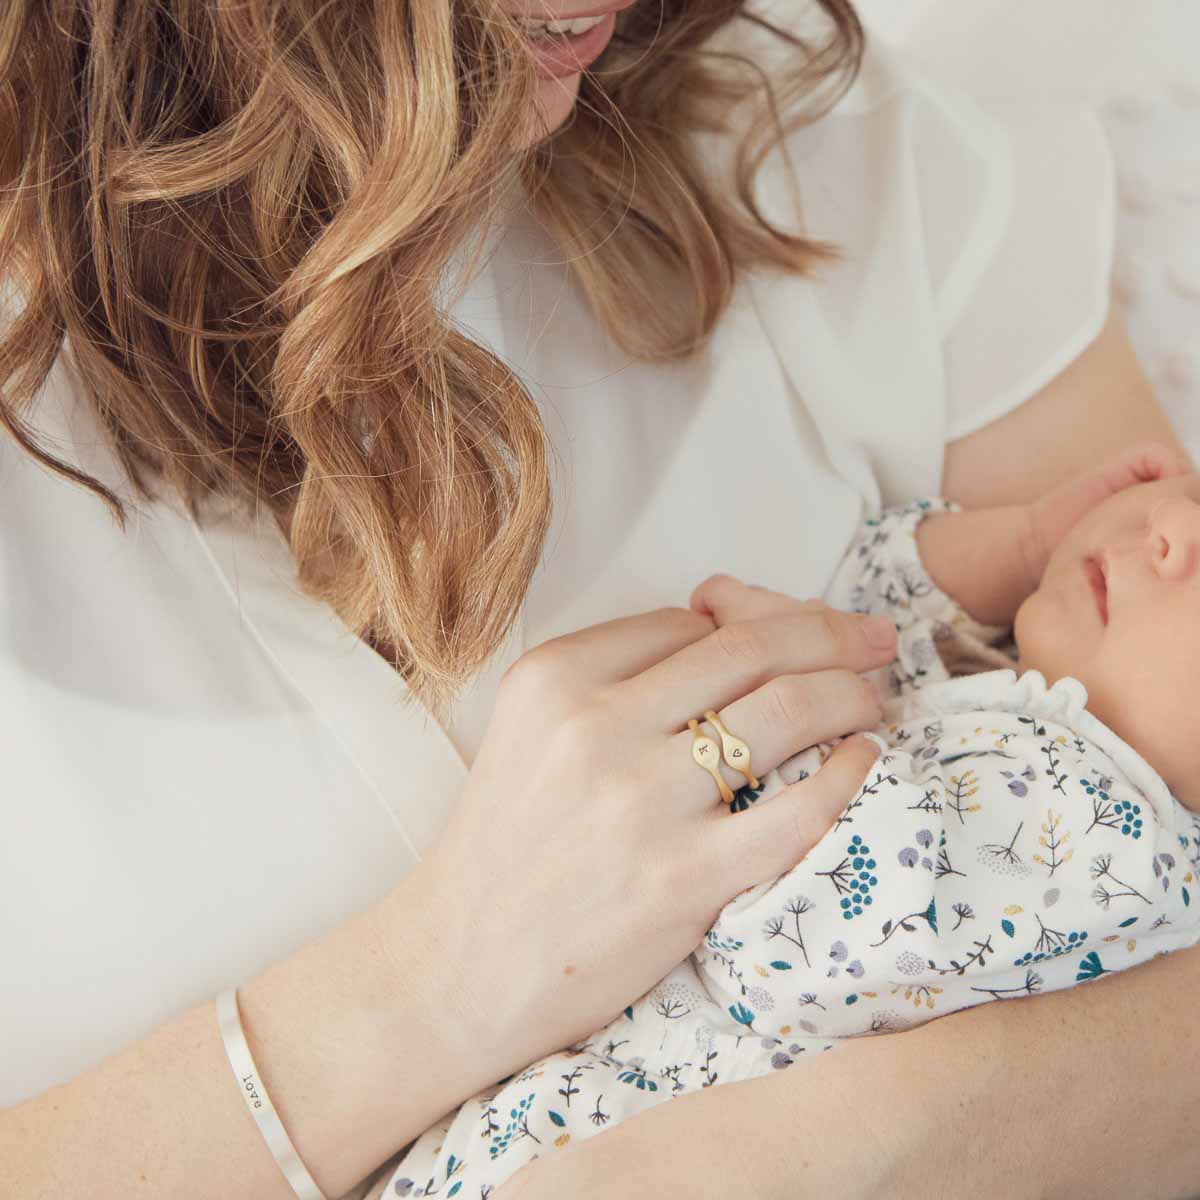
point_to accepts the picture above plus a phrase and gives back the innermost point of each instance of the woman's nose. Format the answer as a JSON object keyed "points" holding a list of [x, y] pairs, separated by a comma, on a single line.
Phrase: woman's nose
{"points": [[1174, 536]]}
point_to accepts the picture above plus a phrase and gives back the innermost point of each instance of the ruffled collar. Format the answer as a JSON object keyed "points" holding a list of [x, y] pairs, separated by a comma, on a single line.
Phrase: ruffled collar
{"points": [[1027, 694]]}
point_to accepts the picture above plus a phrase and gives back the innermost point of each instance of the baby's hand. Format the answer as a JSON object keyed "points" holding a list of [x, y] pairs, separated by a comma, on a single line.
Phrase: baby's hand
{"points": [[1051, 516]]}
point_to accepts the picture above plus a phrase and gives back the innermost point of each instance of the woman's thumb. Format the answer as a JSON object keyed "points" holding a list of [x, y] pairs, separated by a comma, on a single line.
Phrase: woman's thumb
{"points": [[790, 824]]}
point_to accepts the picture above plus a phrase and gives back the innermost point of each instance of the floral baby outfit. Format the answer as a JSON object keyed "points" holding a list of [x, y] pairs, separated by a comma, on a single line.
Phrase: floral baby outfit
{"points": [[1005, 843]]}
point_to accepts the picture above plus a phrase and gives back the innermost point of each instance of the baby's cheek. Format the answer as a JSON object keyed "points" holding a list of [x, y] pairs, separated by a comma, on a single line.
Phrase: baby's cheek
{"points": [[1147, 695], [1044, 636]]}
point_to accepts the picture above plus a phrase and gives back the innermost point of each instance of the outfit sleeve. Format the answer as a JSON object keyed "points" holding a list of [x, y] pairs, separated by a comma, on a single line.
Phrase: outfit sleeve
{"points": [[882, 574]]}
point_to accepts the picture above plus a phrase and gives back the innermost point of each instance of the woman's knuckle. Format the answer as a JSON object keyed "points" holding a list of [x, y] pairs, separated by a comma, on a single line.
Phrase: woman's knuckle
{"points": [[831, 626], [789, 702], [535, 667], [741, 643], [581, 735]]}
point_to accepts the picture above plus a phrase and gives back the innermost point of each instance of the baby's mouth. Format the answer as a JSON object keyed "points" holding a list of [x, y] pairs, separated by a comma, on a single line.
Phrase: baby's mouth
{"points": [[1093, 566]]}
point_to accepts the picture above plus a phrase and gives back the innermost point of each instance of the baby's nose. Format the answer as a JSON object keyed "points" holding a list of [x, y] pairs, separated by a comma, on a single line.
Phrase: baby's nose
{"points": [[1174, 537]]}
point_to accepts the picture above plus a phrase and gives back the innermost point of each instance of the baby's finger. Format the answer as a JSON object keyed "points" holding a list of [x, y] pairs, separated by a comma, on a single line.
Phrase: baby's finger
{"points": [[775, 837], [1144, 463]]}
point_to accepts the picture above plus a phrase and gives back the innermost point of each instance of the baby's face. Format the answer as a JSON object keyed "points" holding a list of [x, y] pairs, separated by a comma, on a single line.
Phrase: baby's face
{"points": [[1119, 609]]}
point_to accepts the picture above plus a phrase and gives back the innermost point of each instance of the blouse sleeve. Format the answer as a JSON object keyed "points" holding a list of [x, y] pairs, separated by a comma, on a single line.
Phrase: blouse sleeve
{"points": [[1020, 270], [975, 247]]}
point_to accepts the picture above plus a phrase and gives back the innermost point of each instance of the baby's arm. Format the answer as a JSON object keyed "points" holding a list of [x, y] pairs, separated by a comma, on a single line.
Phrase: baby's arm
{"points": [[930, 559], [986, 559], [991, 560], [885, 572]]}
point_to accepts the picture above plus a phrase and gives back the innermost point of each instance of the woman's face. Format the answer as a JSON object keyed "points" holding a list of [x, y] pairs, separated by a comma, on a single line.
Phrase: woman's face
{"points": [[564, 38], [1119, 609]]}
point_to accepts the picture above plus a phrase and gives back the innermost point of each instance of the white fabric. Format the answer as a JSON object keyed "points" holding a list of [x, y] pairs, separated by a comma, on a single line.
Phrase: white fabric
{"points": [[166, 685]]}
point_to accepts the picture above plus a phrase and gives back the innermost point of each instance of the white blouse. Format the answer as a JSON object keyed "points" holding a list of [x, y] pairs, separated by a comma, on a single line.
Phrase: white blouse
{"points": [[203, 769]]}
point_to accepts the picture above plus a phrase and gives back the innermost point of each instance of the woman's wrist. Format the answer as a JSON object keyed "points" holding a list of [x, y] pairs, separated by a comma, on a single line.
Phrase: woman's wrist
{"points": [[366, 1036]]}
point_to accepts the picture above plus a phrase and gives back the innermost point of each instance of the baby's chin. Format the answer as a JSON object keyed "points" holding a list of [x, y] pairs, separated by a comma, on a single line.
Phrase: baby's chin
{"points": [[1040, 641]]}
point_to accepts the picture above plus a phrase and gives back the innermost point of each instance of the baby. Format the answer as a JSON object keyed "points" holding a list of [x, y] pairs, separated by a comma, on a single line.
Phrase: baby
{"points": [[1012, 838]]}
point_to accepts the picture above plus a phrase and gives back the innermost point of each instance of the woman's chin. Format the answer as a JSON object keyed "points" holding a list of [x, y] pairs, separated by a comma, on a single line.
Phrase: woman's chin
{"points": [[553, 104]]}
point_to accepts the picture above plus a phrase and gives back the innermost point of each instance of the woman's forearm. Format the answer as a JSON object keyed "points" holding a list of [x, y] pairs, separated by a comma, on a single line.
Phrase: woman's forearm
{"points": [[1088, 1092], [349, 1035]]}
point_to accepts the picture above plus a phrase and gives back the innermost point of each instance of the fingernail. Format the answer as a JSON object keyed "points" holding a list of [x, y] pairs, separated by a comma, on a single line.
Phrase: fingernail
{"points": [[879, 632]]}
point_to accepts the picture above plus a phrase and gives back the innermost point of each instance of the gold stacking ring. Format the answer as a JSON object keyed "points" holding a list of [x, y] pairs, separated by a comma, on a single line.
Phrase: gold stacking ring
{"points": [[708, 754], [732, 749], [735, 752]]}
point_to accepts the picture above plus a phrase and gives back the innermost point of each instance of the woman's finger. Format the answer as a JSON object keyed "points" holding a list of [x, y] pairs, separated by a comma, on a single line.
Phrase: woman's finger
{"points": [[765, 842], [623, 647], [784, 716], [734, 660], [726, 599]]}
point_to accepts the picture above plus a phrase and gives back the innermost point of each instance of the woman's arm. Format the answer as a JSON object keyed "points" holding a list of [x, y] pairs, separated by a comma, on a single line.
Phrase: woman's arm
{"points": [[1089, 1093], [353, 1049], [560, 889], [1099, 405]]}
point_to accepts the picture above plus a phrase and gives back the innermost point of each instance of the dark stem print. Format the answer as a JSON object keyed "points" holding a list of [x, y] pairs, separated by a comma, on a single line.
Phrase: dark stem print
{"points": [[710, 1076], [1103, 813], [671, 1007], [569, 1090], [672, 1073], [929, 803], [867, 789], [928, 915], [978, 956], [809, 999], [1101, 869], [1048, 939], [490, 1126], [841, 876], [1050, 750], [597, 1117], [846, 818], [524, 1130], [944, 866], [1033, 983], [964, 912], [1004, 853], [962, 788], [1052, 841], [797, 906], [731, 967]]}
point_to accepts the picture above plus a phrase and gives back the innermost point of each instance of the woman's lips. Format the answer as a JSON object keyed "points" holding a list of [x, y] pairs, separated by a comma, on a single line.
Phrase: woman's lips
{"points": [[1093, 565], [558, 55]]}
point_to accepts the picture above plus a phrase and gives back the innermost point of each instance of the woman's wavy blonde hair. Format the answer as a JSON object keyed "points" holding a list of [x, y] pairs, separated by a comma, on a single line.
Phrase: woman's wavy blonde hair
{"points": [[241, 213]]}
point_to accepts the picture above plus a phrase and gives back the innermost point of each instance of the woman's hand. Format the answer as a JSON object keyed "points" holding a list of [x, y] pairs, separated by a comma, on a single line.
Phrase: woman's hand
{"points": [[589, 853]]}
